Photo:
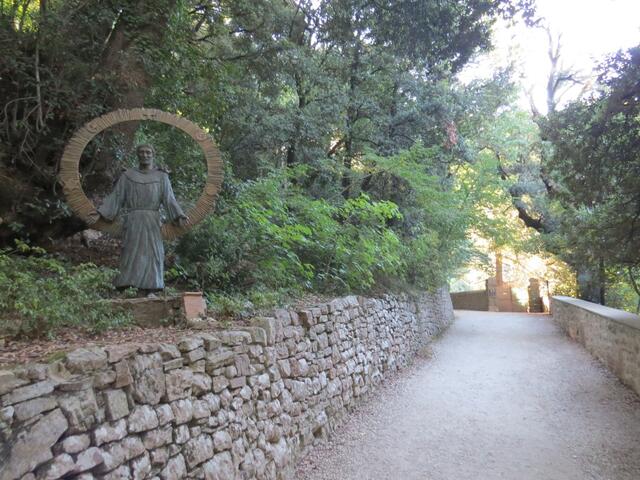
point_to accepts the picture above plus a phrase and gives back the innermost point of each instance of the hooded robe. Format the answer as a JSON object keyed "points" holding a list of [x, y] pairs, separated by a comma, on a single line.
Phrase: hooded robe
{"points": [[138, 196]]}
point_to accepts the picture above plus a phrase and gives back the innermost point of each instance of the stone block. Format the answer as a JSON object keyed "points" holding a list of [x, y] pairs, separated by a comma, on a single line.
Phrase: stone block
{"points": [[116, 454], [88, 459], [237, 382], [141, 467], [116, 404], [243, 364], [299, 368], [9, 381], [110, 432], [84, 360], [33, 447], [235, 337], [81, 410], [142, 418], [21, 394], [213, 402], [195, 355], [182, 410], [157, 438], [181, 434], [280, 453], [187, 344], [176, 469], [76, 443], [116, 353], [283, 316], [221, 441], [201, 409], [272, 432], [123, 375], [165, 414], [168, 351], [56, 468], [219, 383], [211, 342], [173, 364], [148, 378], [246, 392], [352, 301], [31, 408], [258, 334], [272, 328], [220, 467], [285, 368], [298, 390], [201, 384], [306, 318], [159, 456], [218, 359], [198, 450], [123, 472], [178, 384], [104, 379]]}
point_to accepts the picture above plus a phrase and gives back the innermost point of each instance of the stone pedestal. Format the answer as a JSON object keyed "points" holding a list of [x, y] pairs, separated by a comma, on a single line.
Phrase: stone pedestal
{"points": [[163, 310], [152, 312]]}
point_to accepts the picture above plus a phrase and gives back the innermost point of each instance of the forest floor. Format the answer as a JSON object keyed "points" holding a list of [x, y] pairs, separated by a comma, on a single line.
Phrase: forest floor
{"points": [[46, 350], [505, 396]]}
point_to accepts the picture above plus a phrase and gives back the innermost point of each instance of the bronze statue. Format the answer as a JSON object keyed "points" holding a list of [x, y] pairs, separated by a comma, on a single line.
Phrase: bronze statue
{"points": [[138, 195]]}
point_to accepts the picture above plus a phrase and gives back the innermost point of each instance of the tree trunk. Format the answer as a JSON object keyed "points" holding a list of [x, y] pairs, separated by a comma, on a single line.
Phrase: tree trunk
{"points": [[352, 118], [31, 200], [123, 62]]}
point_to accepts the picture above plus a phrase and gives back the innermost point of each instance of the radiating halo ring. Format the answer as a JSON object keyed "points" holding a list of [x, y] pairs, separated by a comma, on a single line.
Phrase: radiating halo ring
{"points": [[69, 175]]}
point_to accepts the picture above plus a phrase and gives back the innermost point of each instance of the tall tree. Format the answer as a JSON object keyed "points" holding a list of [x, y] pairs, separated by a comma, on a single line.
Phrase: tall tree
{"points": [[63, 63]]}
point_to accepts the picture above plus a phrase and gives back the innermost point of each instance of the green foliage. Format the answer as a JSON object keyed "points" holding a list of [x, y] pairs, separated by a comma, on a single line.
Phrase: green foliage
{"points": [[268, 235], [620, 291], [435, 214], [39, 294], [361, 94], [408, 230], [594, 174]]}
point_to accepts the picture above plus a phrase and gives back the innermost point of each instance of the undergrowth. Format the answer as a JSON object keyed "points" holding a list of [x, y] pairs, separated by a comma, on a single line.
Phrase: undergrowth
{"points": [[40, 294]]}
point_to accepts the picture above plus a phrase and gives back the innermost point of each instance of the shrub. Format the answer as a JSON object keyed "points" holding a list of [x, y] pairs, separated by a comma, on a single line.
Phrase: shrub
{"points": [[40, 294], [269, 236]]}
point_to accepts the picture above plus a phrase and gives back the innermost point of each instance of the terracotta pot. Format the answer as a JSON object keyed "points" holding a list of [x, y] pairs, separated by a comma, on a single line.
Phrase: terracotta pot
{"points": [[193, 305]]}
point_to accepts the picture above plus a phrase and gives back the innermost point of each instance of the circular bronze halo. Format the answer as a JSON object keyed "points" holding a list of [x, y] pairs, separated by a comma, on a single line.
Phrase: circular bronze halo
{"points": [[69, 175]]}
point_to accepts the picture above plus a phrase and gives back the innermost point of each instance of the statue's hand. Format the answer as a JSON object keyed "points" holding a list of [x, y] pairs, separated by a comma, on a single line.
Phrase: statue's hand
{"points": [[93, 218], [182, 221]]}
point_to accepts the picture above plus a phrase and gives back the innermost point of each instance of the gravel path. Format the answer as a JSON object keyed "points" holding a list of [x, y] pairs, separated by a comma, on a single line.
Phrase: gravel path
{"points": [[505, 396]]}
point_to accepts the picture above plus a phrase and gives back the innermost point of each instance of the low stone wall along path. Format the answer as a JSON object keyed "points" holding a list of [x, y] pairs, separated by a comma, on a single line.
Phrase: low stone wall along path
{"points": [[504, 396]]}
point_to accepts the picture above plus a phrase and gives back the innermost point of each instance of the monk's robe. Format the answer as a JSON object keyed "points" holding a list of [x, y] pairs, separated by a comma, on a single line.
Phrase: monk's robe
{"points": [[137, 197]]}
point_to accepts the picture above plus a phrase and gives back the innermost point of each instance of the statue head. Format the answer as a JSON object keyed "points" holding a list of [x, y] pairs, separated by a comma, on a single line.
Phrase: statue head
{"points": [[146, 154]]}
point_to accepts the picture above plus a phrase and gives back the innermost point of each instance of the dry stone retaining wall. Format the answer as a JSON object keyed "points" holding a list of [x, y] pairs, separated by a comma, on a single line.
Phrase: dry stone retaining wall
{"points": [[224, 405], [611, 335]]}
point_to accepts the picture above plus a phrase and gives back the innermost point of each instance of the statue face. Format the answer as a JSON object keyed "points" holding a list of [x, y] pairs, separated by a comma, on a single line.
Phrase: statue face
{"points": [[145, 156]]}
